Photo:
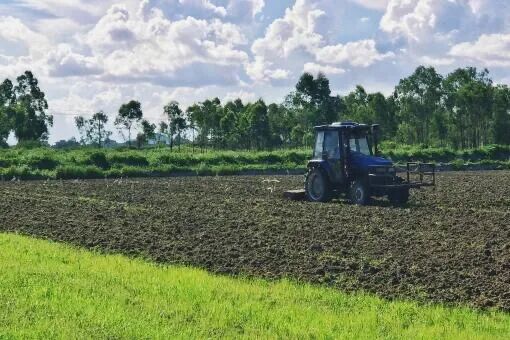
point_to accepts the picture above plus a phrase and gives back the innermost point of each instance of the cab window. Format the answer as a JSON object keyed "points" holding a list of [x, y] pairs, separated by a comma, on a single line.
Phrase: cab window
{"points": [[319, 140], [331, 144], [360, 144]]}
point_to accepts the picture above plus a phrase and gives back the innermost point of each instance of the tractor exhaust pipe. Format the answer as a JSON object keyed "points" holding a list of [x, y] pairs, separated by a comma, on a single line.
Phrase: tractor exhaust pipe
{"points": [[375, 138]]}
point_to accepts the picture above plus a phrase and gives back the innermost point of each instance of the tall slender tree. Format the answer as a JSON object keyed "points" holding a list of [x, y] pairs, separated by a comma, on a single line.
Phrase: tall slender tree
{"points": [[129, 114], [176, 121], [163, 130], [93, 130], [257, 124], [148, 132]]}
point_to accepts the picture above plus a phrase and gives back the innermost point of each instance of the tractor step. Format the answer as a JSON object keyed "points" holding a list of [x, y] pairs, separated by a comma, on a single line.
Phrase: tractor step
{"points": [[295, 195]]}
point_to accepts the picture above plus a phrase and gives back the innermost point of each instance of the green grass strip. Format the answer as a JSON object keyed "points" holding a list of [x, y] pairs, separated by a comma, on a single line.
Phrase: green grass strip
{"points": [[88, 163], [50, 290]]}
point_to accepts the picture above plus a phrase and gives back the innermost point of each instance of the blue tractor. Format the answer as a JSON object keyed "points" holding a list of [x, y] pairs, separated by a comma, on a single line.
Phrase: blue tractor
{"points": [[346, 161]]}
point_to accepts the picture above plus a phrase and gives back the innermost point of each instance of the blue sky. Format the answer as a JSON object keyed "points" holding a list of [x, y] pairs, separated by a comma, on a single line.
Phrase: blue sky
{"points": [[96, 54]]}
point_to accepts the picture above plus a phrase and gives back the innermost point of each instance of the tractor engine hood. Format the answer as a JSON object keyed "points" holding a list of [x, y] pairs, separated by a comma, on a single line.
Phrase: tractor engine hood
{"points": [[362, 161]]}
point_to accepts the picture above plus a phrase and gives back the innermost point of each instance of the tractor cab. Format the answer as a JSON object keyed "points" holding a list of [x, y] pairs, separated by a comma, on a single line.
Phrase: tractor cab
{"points": [[346, 160]]}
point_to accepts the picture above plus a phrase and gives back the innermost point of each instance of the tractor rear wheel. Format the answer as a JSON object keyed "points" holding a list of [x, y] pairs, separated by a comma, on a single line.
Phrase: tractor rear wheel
{"points": [[317, 186], [399, 197], [358, 193]]}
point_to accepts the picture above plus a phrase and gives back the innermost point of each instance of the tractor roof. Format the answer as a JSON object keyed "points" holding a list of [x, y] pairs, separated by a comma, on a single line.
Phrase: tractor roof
{"points": [[344, 125]]}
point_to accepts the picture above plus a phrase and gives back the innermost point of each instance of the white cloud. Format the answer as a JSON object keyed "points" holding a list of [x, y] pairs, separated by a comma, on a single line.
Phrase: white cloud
{"points": [[440, 32], [422, 20], [85, 98], [113, 31], [436, 61], [81, 12], [246, 97], [14, 30], [279, 74], [63, 62], [361, 53], [296, 30], [489, 50], [11, 67], [31, 55], [372, 4], [303, 35], [145, 46], [410, 18], [59, 29], [328, 70], [239, 11], [262, 71], [205, 4], [67, 7], [244, 9]]}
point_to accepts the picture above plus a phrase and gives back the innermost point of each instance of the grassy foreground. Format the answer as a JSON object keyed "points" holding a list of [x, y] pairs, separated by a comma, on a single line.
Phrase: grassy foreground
{"points": [[50, 290]]}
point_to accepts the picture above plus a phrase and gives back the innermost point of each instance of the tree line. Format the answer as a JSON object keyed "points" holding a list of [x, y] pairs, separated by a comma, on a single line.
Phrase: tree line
{"points": [[463, 109]]}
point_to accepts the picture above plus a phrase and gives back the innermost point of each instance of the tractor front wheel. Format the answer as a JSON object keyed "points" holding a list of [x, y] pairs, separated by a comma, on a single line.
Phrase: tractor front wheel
{"points": [[359, 193], [317, 186]]}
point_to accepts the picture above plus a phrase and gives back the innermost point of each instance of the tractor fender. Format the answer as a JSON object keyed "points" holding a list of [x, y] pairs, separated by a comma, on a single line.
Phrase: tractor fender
{"points": [[323, 165]]}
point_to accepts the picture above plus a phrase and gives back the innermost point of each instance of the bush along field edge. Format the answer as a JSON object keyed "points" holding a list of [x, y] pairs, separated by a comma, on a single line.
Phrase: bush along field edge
{"points": [[89, 163]]}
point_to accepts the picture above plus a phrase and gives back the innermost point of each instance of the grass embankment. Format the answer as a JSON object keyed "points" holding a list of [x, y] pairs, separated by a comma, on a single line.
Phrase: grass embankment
{"points": [[42, 163], [50, 290], [496, 156]]}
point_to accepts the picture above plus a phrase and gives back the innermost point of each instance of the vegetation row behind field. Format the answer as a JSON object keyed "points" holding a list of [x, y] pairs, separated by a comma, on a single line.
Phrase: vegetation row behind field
{"points": [[41, 163], [49, 290]]}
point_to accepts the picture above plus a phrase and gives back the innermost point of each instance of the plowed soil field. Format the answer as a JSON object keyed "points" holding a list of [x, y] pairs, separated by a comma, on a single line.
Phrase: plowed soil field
{"points": [[449, 245]]}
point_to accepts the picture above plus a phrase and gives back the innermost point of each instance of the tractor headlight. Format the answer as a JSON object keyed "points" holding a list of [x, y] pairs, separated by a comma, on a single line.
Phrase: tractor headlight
{"points": [[380, 170], [391, 170]]}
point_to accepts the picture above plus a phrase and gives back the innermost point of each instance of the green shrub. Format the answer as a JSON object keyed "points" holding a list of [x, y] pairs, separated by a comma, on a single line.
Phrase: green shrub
{"points": [[21, 172], [176, 160], [75, 172], [41, 162], [96, 163], [225, 170], [99, 159], [268, 158], [130, 159], [203, 169], [128, 171], [458, 164], [31, 144], [5, 163], [298, 158]]}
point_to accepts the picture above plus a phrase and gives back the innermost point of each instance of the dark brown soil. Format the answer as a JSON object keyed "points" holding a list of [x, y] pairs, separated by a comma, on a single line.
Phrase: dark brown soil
{"points": [[450, 245]]}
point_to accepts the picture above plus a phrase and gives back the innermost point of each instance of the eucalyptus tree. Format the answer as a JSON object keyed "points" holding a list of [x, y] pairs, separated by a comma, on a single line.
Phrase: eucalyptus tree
{"points": [[129, 114], [93, 131]]}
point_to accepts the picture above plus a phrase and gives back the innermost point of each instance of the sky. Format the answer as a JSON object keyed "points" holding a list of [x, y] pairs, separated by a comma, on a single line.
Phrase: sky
{"points": [[92, 55]]}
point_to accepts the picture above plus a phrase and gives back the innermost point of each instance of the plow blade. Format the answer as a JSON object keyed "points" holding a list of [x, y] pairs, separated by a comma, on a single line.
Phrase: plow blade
{"points": [[294, 195]]}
